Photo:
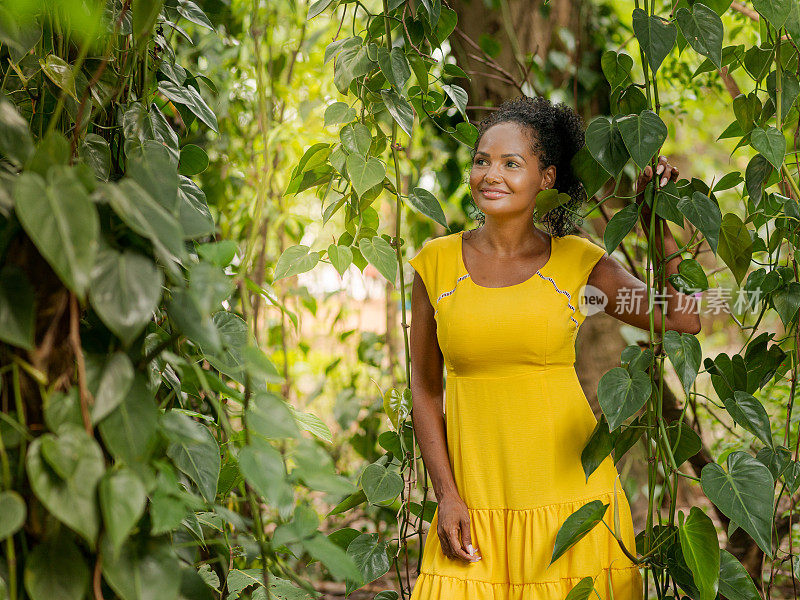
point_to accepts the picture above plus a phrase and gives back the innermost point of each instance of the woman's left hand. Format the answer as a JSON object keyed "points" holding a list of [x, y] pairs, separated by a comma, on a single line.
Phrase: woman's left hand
{"points": [[667, 173]]}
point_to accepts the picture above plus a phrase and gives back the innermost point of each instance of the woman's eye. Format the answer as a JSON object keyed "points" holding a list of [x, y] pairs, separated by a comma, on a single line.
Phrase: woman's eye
{"points": [[511, 162]]}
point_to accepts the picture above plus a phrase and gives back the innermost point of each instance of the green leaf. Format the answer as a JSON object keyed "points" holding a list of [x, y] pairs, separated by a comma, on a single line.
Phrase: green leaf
{"points": [[189, 97], [96, 153], [381, 255], [269, 416], [426, 203], [685, 354], [459, 97], [200, 461], [364, 174], [703, 29], [142, 571], [597, 448], [112, 386], [193, 161], [704, 214], [786, 301], [139, 123], [756, 173], [700, 549], [771, 143], [400, 109], [73, 500], [340, 112], [59, 72], [744, 494], [620, 226], [605, 143], [774, 11], [589, 171], [193, 212], [130, 431], [341, 257], [17, 307], [122, 502], [371, 557], [621, 394], [317, 7], [294, 260], [380, 484], [687, 445], [191, 12], [576, 526], [643, 135], [16, 141], [616, 67], [340, 564], [656, 36], [12, 513], [735, 245], [748, 412], [394, 66], [125, 290], [62, 221], [356, 138], [54, 569], [263, 467], [734, 580]]}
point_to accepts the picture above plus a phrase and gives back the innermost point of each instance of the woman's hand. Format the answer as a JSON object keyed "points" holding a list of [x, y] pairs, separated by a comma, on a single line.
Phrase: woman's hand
{"points": [[454, 519], [667, 173]]}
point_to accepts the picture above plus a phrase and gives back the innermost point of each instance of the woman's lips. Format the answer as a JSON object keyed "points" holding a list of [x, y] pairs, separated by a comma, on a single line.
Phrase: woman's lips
{"points": [[493, 194]]}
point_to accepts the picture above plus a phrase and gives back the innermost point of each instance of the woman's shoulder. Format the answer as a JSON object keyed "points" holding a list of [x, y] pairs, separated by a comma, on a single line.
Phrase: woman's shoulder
{"points": [[581, 245], [439, 243]]}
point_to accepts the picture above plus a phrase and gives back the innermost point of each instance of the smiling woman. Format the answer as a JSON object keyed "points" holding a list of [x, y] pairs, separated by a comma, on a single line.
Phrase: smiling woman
{"points": [[497, 307]]}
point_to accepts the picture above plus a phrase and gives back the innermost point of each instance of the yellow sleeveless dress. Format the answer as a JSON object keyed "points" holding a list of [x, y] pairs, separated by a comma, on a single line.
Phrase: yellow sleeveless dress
{"points": [[517, 421]]}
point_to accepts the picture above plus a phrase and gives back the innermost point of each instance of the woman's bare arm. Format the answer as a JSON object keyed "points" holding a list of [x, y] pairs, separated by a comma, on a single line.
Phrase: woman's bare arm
{"points": [[627, 298], [427, 418]]}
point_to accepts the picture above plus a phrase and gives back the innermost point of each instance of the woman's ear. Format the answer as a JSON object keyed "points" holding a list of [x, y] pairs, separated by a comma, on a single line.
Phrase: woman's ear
{"points": [[549, 177]]}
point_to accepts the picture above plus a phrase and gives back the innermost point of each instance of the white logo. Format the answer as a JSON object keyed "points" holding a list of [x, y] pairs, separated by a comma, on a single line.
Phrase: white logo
{"points": [[591, 300]]}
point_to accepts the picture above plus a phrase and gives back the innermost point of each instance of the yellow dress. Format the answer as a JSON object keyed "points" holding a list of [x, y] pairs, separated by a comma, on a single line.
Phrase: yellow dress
{"points": [[517, 421]]}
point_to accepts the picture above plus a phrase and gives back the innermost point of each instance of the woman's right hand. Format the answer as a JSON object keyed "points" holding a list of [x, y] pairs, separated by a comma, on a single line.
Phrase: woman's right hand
{"points": [[453, 520]]}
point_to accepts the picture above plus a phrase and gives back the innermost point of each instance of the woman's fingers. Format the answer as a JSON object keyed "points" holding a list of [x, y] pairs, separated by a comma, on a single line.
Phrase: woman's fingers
{"points": [[455, 545], [466, 541]]}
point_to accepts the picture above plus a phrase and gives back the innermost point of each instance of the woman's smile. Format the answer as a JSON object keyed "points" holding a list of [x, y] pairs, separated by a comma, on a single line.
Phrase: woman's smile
{"points": [[494, 193]]}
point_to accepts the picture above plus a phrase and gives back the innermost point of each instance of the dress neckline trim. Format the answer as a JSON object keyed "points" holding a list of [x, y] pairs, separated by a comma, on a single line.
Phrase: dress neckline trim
{"points": [[538, 274]]}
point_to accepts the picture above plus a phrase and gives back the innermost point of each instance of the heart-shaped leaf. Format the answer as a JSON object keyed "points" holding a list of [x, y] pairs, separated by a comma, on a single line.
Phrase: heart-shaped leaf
{"points": [[704, 214], [371, 556], [770, 143], [122, 502], [619, 226], [703, 29], [621, 394], [685, 355], [656, 36], [744, 493], [605, 143], [735, 245], [364, 174], [73, 501], [294, 260], [380, 484], [12, 513], [643, 135], [381, 255]]}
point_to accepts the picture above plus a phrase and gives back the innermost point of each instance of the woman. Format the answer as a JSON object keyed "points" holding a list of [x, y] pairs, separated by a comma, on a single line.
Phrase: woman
{"points": [[497, 306]]}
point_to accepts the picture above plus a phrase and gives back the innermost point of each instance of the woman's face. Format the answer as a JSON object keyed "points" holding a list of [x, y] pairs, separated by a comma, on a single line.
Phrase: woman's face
{"points": [[505, 176]]}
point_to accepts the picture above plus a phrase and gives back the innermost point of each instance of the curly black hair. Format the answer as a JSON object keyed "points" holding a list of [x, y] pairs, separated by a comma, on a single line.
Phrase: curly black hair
{"points": [[556, 134]]}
